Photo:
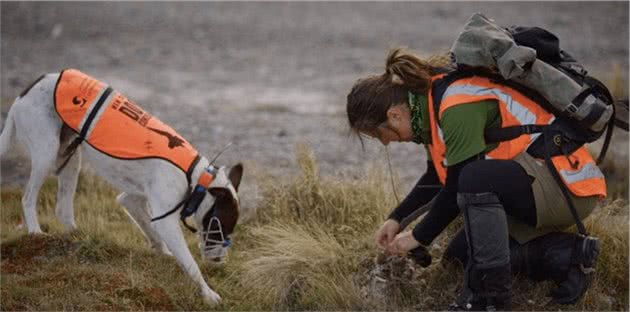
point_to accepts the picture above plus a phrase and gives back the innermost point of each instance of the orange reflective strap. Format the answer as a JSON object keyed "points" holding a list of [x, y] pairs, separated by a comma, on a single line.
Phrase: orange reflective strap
{"points": [[437, 149], [456, 99]]}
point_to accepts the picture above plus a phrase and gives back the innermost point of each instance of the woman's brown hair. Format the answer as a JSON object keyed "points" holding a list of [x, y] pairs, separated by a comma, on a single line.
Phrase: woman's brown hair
{"points": [[371, 97]]}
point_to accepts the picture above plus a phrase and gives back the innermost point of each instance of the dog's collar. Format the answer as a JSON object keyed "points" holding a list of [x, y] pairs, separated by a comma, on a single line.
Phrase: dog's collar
{"points": [[194, 196], [198, 194]]}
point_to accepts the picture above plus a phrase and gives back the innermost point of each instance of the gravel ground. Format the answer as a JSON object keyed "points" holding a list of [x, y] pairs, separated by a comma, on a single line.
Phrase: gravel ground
{"points": [[269, 75]]}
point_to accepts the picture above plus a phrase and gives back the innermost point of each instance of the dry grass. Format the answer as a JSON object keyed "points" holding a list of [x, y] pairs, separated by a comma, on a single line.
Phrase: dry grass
{"points": [[309, 248], [315, 240]]}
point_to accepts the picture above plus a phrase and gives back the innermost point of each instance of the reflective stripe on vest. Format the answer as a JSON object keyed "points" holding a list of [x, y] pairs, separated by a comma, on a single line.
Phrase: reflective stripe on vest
{"points": [[515, 109], [588, 171], [580, 173], [119, 128]]}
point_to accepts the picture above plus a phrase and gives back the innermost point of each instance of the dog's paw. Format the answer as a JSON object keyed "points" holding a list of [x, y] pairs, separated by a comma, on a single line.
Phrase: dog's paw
{"points": [[212, 298], [70, 227], [38, 232]]}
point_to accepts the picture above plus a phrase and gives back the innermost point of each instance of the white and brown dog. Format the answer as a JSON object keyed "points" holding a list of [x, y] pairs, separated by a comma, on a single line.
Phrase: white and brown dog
{"points": [[157, 171]]}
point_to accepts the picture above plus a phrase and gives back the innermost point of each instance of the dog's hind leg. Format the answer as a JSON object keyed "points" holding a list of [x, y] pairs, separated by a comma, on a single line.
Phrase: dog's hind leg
{"points": [[67, 185], [40, 168], [136, 208], [38, 127], [7, 133]]}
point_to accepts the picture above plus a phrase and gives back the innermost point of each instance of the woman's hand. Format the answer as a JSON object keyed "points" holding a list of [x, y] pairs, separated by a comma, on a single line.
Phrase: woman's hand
{"points": [[402, 244], [385, 235]]}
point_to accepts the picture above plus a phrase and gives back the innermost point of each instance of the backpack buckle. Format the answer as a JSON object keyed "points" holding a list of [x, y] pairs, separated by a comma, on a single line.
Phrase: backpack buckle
{"points": [[572, 108]]}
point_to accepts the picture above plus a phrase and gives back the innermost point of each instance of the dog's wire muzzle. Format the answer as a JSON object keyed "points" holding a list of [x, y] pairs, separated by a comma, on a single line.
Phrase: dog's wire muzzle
{"points": [[212, 247]]}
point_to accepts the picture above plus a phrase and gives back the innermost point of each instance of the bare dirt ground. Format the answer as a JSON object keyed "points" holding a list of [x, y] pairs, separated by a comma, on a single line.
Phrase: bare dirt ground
{"points": [[267, 76]]}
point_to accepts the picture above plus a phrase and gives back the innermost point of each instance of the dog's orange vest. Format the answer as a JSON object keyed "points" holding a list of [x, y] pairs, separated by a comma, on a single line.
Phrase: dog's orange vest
{"points": [[114, 125]]}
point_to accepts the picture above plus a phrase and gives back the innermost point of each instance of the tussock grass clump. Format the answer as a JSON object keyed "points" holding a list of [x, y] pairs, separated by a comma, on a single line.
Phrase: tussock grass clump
{"points": [[298, 266], [309, 237]]}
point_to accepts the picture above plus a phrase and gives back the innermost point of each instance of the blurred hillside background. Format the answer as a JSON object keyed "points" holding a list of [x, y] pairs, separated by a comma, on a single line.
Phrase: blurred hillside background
{"points": [[270, 77]]}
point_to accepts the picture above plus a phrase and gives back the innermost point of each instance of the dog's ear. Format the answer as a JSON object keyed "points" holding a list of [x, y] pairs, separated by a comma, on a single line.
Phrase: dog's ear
{"points": [[235, 175]]}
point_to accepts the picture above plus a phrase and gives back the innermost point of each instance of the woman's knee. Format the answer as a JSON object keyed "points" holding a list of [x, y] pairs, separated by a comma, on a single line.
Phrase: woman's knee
{"points": [[492, 176], [474, 177]]}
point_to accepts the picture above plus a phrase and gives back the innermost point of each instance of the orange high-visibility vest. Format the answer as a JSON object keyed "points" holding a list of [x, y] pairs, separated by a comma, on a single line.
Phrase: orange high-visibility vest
{"points": [[583, 180], [114, 125]]}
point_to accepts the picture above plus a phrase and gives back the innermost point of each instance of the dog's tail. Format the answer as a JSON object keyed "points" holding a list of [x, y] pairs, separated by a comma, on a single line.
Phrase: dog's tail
{"points": [[9, 127], [7, 133]]}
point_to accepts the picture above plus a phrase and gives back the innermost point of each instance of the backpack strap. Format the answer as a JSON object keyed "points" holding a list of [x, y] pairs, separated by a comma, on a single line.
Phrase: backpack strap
{"points": [[496, 135], [602, 90], [621, 114], [550, 138], [609, 131]]}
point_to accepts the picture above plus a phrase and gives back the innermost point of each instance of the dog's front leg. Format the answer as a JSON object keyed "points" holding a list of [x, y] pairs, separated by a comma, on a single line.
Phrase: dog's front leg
{"points": [[171, 233]]}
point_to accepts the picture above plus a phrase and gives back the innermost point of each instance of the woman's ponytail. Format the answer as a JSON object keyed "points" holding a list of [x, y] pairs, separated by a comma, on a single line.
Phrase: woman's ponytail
{"points": [[371, 97], [410, 71]]}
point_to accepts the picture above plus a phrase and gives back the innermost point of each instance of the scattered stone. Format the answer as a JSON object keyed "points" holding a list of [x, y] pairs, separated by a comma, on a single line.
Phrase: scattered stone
{"points": [[56, 31]]}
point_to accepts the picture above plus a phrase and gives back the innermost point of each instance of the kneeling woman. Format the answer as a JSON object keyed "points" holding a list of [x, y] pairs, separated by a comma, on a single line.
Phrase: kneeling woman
{"points": [[509, 199]]}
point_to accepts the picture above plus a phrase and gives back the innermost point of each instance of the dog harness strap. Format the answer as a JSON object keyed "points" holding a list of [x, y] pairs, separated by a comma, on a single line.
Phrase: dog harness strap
{"points": [[198, 194], [69, 151], [94, 112], [194, 196], [192, 167], [186, 198]]}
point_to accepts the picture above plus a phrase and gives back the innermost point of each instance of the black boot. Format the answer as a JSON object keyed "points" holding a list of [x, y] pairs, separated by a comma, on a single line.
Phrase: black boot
{"points": [[580, 275], [566, 258], [490, 290]]}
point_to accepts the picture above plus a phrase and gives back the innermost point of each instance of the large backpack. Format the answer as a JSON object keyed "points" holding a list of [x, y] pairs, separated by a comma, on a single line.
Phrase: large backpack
{"points": [[529, 60]]}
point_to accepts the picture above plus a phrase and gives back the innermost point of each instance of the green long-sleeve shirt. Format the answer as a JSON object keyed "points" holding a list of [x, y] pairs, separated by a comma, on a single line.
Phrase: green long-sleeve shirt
{"points": [[463, 127]]}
